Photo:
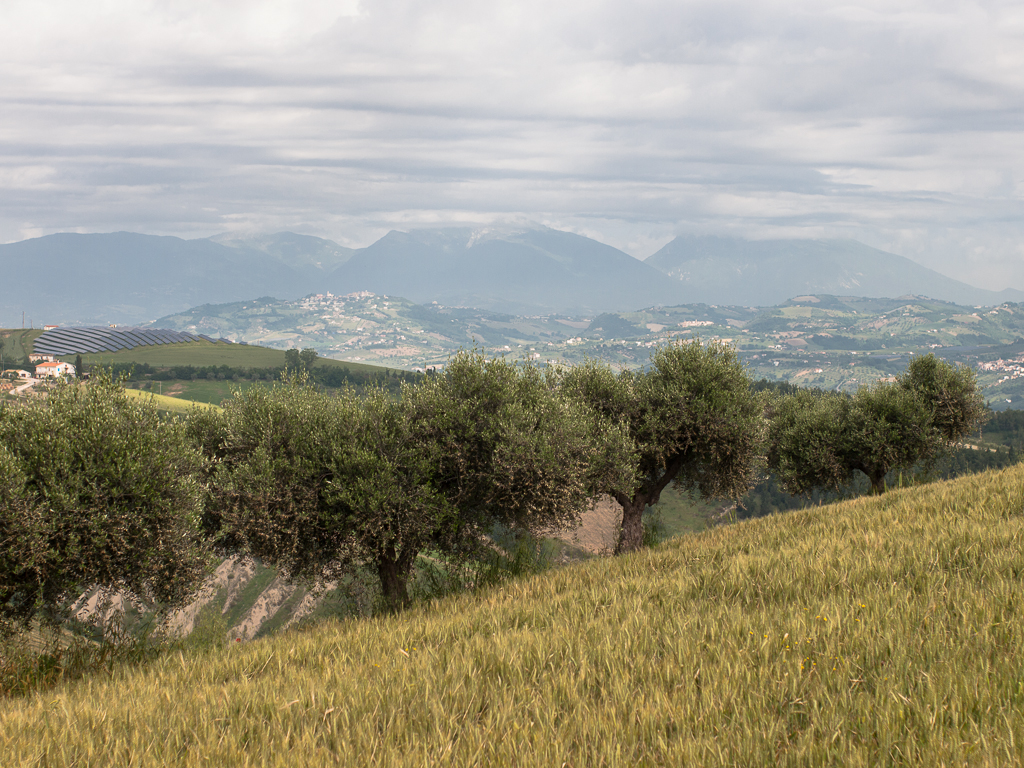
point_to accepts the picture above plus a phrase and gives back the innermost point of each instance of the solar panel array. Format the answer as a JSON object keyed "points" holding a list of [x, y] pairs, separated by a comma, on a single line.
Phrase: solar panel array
{"points": [[75, 341]]}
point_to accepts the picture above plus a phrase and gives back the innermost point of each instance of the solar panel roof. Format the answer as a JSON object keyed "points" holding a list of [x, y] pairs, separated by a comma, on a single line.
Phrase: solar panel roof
{"points": [[70, 341]]}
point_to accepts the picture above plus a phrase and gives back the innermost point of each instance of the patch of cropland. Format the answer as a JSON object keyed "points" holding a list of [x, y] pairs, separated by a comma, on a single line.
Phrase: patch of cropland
{"points": [[877, 631], [820, 341], [166, 403], [178, 372]]}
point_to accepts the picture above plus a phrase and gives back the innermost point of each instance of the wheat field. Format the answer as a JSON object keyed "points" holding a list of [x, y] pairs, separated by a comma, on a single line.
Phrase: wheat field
{"points": [[880, 631]]}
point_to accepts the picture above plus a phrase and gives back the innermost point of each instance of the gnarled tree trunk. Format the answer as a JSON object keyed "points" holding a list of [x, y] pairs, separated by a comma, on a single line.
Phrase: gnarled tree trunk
{"points": [[631, 535], [393, 570]]}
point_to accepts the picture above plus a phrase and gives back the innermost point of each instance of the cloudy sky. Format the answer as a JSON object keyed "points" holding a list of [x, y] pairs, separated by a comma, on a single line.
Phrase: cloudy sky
{"points": [[898, 123]]}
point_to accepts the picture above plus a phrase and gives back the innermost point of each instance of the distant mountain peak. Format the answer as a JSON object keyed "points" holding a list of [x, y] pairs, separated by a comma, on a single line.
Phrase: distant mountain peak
{"points": [[295, 250], [516, 268], [768, 272]]}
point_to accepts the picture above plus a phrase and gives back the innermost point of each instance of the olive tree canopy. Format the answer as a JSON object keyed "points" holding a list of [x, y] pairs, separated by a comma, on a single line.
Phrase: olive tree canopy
{"points": [[819, 440], [312, 483], [95, 491], [691, 419]]}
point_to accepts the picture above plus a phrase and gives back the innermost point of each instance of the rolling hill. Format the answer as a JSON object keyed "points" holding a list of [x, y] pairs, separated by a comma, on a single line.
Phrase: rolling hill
{"points": [[878, 631]]}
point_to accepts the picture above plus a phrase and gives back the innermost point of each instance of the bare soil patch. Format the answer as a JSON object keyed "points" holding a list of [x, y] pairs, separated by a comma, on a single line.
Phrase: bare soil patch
{"points": [[599, 531]]}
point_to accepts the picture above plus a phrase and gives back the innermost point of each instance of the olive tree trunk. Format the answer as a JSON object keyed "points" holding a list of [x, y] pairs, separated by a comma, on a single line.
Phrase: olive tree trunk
{"points": [[393, 569], [631, 534]]}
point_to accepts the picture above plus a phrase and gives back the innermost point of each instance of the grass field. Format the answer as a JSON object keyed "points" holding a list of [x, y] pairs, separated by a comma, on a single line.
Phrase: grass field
{"points": [[211, 391], [165, 403], [879, 631], [204, 353], [17, 343]]}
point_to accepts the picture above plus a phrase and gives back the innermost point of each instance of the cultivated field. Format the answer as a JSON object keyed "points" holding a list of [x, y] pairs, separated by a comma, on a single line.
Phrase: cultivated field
{"points": [[880, 631], [166, 403], [205, 353]]}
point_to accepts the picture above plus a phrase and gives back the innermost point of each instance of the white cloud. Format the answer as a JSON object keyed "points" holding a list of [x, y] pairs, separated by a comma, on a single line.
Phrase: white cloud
{"points": [[894, 122]]}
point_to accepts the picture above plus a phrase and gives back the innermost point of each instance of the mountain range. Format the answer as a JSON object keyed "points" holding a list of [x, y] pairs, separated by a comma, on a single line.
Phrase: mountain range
{"points": [[126, 277], [722, 270]]}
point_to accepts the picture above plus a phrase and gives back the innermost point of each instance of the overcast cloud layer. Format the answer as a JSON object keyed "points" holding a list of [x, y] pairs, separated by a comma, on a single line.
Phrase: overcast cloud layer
{"points": [[895, 123]]}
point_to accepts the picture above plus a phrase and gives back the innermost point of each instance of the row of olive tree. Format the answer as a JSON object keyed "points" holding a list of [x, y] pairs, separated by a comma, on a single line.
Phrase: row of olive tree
{"points": [[96, 490], [312, 483], [694, 420], [820, 439]]}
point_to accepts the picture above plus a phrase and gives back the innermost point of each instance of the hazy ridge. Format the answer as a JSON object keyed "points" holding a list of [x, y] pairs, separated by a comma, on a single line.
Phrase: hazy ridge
{"points": [[129, 278]]}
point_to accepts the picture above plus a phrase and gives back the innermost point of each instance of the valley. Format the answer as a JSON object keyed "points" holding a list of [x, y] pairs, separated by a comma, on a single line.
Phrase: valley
{"points": [[813, 340]]}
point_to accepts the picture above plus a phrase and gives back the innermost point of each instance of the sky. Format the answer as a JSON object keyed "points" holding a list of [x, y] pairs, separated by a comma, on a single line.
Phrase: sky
{"points": [[899, 124]]}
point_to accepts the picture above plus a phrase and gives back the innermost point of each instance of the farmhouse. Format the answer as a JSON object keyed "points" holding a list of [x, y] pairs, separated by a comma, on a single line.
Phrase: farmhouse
{"points": [[16, 373], [37, 357], [52, 370]]}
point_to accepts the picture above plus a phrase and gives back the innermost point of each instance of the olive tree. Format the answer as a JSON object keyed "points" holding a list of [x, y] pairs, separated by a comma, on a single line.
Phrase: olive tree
{"points": [[272, 454], [950, 393], [820, 440], [314, 484], [95, 491], [691, 419], [510, 450]]}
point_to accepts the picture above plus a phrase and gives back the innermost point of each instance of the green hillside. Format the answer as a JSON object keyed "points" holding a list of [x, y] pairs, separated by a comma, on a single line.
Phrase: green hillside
{"points": [[205, 353], [17, 344], [829, 342], [166, 403], [879, 631]]}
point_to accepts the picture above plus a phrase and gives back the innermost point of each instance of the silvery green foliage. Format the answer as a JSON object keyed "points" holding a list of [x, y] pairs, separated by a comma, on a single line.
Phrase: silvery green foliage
{"points": [[95, 491], [949, 392], [820, 439], [313, 484], [690, 417]]}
